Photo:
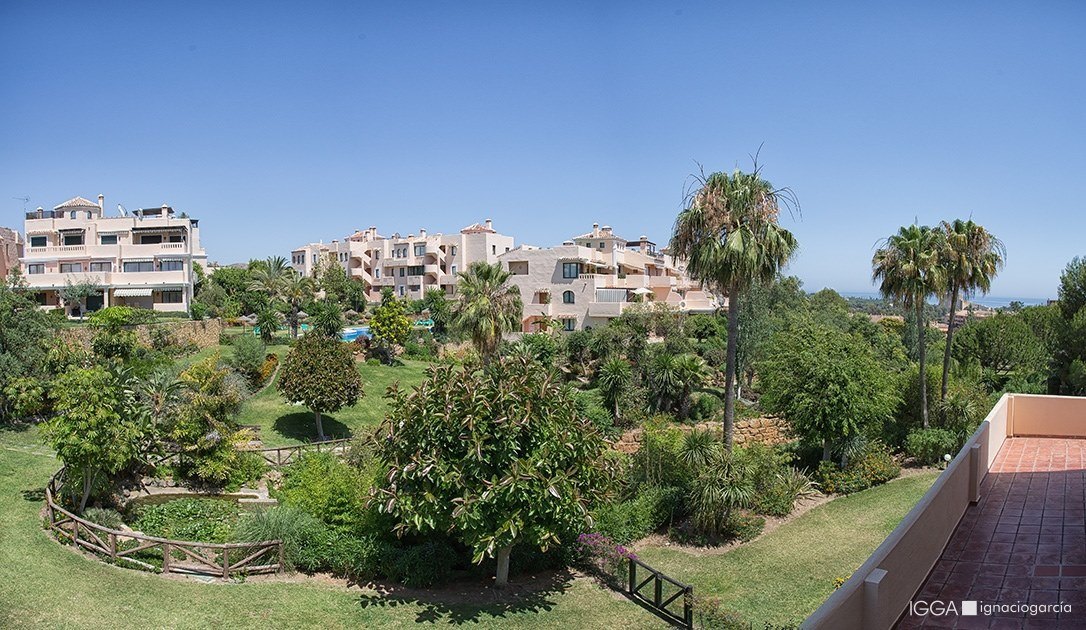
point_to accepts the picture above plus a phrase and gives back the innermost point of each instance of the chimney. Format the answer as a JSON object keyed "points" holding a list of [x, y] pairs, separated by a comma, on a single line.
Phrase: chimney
{"points": [[101, 201], [489, 224], [607, 229], [595, 228], [422, 232]]}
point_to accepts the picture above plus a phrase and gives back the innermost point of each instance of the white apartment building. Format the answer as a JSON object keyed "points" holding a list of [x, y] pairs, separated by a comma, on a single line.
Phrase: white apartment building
{"points": [[411, 265], [143, 259], [594, 277]]}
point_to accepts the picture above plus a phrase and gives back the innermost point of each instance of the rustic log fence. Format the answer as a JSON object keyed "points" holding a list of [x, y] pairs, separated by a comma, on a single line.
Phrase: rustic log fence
{"points": [[282, 455], [222, 560]]}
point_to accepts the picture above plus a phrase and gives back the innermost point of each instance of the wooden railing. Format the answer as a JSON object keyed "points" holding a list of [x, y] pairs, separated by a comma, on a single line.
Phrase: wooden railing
{"points": [[666, 591], [282, 455], [153, 554]]}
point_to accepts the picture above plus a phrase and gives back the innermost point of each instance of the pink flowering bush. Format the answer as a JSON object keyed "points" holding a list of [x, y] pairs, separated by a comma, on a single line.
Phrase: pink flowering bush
{"points": [[602, 556]]}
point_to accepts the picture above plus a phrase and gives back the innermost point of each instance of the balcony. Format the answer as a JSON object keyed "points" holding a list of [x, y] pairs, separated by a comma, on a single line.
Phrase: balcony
{"points": [[114, 278], [1002, 524]]}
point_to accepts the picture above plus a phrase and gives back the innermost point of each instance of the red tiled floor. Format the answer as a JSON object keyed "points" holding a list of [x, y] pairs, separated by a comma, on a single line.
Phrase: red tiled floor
{"points": [[1025, 541]]}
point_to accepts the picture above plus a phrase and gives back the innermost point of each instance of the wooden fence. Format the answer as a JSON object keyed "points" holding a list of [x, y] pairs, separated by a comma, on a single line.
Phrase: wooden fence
{"points": [[666, 592], [283, 455], [152, 553]]}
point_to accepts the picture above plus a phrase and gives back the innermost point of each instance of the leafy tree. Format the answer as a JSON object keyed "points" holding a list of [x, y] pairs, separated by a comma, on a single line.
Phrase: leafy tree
{"points": [[94, 431], [319, 372], [74, 293], [826, 383], [970, 258], [495, 456], [332, 278], [907, 266], [355, 294], [488, 307], [763, 311], [267, 320], [730, 238], [673, 379], [389, 325], [614, 378], [25, 333], [1002, 345], [440, 310]]}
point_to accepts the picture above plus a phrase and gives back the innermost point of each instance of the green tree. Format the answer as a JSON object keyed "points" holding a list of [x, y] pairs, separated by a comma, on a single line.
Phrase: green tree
{"points": [[730, 238], [488, 307], [908, 270], [204, 423], [496, 456], [389, 325], [615, 377], [25, 333], [93, 432], [319, 372], [826, 383], [1002, 345], [440, 310], [326, 318], [971, 257], [74, 293], [267, 321]]}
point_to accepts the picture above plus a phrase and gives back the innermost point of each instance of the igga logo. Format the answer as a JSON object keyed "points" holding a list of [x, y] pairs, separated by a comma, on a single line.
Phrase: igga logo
{"points": [[939, 608]]}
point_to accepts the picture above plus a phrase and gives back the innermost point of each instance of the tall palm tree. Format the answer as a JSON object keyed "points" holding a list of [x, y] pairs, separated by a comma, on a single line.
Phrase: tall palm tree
{"points": [[294, 290], [488, 307], [907, 267], [268, 275], [971, 257], [614, 378], [729, 236]]}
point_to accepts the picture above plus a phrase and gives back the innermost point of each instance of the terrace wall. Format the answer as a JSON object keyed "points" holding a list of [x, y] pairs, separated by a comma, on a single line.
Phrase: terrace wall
{"points": [[203, 333]]}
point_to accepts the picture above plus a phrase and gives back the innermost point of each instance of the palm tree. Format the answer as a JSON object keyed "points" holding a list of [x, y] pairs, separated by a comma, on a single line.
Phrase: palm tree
{"points": [[729, 236], [971, 257], [907, 267], [614, 378], [488, 307], [294, 290], [268, 275]]}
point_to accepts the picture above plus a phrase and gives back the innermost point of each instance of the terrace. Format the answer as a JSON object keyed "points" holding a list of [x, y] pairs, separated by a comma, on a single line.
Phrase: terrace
{"points": [[1005, 524]]}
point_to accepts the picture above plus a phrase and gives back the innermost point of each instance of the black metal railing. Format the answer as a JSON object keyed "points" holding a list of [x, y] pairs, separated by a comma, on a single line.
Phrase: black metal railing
{"points": [[662, 600]]}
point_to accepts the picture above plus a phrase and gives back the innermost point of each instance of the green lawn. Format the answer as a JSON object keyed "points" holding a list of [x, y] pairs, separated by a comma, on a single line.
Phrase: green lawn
{"points": [[784, 576], [43, 584]]}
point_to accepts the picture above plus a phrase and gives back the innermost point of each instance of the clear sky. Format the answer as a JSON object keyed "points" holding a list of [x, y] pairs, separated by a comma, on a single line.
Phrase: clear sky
{"points": [[278, 124]]}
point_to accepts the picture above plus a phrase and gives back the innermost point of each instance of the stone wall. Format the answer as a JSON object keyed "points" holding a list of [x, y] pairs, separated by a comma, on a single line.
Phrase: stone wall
{"points": [[203, 333], [767, 430]]}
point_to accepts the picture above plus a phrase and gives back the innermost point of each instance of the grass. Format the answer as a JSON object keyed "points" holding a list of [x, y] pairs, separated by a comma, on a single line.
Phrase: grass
{"points": [[785, 575], [46, 585]]}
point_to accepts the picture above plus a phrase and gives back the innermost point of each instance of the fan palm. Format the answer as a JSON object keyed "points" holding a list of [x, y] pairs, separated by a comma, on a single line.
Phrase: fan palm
{"points": [[729, 236], [907, 268], [488, 307], [971, 257], [294, 290]]}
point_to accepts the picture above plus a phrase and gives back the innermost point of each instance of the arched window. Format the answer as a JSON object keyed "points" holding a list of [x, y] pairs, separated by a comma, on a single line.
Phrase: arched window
{"points": [[71, 215], [567, 297]]}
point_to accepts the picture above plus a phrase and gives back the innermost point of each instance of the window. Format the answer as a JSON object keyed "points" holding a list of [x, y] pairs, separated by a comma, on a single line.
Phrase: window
{"points": [[171, 265], [571, 270], [567, 297], [377, 273], [135, 266], [73, 239], [101, 266], [453, 268], [403, 271], [108, 239], [170, 297], [569, 324], [72, 214], [71, 267], [38, 241], [601, 244], [494, 249], [401, 290], [420, 250], [452, 250], [414, 270], [151, 239], [177, 238], [35, 269], [377, 255]]}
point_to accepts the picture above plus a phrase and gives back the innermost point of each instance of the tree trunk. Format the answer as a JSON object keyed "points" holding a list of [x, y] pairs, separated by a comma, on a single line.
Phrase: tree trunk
{"points": [[618, 416], [501, 578], [826, 451], [88, 484], [949, 341], [922, 330], [729, 370], [320, 427]]}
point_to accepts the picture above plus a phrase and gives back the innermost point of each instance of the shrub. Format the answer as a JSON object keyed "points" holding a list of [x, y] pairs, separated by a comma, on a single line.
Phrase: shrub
{"points": [[744, 527], [267, 368], [609, 560], [627, 521], [776, 484], [161, 338], [324, 486], [710, 613], [424, 565], [249, 356], [590, 406], [928, 446], [202, 520], [875, 466], [704, 406], [297, 530], [25, 397], [116, 317], [114, 344], [357, 558], [658, 462], [104, 517]]}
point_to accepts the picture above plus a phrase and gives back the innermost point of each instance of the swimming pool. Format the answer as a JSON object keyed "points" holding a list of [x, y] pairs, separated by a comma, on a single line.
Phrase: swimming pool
{"points": [[350, 334]]}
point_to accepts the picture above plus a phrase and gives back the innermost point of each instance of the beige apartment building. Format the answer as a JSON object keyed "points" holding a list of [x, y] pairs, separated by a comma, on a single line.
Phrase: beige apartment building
{"points": [[143, 259], [410, 265], [11, 248], [594, 277]]}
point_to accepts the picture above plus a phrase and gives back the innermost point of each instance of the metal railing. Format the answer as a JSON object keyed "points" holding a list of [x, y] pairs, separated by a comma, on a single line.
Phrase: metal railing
{"points": [[662, 599]]}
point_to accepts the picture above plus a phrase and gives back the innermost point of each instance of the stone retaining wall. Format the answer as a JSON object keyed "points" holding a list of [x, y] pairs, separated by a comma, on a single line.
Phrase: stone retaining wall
{"points": [[203, 333], [767, 430]]}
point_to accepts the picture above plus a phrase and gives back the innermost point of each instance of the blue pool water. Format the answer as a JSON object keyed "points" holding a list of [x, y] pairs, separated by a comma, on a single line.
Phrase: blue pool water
{"points": [[350, 334]]}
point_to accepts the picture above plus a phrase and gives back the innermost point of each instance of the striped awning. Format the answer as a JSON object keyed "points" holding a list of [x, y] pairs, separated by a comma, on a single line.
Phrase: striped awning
{"points": [[132, 292]]}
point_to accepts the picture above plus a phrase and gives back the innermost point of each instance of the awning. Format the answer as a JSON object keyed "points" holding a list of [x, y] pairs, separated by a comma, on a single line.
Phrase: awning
{"points": [[131, 293]]}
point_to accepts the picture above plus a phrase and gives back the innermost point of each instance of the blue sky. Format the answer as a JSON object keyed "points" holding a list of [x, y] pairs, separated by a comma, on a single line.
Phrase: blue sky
{"points": [[279, 124]]}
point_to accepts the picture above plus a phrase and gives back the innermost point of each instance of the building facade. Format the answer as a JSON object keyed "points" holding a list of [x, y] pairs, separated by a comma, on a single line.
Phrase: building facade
{"points": [[410, 265], [594, 277], [144, 259], [11, 248]]}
